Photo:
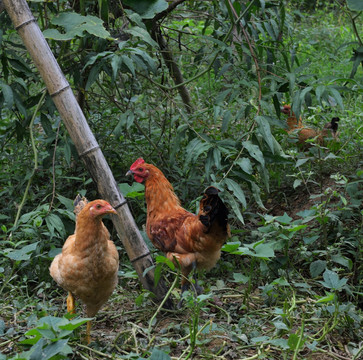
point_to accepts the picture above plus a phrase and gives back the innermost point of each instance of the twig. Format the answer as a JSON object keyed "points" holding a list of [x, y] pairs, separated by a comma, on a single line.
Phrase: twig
{"points": [[162, 303], [95, 351], [53, 167], [35, 162]]}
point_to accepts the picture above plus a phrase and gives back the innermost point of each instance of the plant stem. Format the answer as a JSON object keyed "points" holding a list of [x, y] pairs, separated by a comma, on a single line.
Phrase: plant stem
{"points": [[35, 161]]}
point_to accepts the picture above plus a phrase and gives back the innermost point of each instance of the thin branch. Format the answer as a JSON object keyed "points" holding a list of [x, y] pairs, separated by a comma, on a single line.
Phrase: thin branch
{"points": [[53, 167], [35, 161]]}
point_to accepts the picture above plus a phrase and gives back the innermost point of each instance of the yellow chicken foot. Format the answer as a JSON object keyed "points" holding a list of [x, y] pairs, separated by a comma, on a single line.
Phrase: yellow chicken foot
{"points": [[70, 303]]}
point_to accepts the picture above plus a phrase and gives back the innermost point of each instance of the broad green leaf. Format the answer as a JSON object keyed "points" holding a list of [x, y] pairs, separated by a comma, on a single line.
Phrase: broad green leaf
{"points": [[355, 5], [143, 35], [317, 267], [159, 355], [329, 297], [297, 183], [68, 203], [293, 341], [76, 25], [245, 164], [256, 191], [280, 325], [319, 92], [129, 64], [24, 253], [342, 260], [55, 348], [164, 260], [240, 278], [265, 131], [231, 246], [147, 9], [254, 151], [336, 95], [281, 343], [332, 281], [225, 121], [235, 207], [285, 219], [7, 94], [236, 190], [264, 251], [301, 162]]}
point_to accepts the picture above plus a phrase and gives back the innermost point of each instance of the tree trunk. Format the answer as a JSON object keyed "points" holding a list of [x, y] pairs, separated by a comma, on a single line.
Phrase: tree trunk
{"points": [[84, 141]]}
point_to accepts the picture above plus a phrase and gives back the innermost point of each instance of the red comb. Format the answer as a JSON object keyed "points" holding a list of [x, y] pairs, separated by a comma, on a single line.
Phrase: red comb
{"points": [[138, 162]]}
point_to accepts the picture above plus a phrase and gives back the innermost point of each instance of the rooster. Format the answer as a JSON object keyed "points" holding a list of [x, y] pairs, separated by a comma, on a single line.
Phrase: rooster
{"points": [[87, 267], [304, 133], [194, 241]]}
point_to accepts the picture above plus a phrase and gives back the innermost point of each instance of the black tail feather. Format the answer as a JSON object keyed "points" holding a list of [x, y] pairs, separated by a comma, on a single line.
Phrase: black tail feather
{"points": [[213, 209]]}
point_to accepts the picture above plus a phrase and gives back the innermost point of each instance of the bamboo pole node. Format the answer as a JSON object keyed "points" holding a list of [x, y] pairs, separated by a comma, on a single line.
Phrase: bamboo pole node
{"points": [[89, 150], [25, 23], [59, 91], [140, 257], [122, 203]]}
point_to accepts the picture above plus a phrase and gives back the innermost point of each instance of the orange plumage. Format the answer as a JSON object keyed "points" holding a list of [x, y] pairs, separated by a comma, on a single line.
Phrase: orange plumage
{"points": [[194, 240], [88, 265], [305, 133]]}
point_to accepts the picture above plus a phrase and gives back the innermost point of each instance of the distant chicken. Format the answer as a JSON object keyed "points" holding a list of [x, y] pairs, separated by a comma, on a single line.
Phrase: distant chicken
{"points": [[195, 241], [88, 265], [304, 133]]}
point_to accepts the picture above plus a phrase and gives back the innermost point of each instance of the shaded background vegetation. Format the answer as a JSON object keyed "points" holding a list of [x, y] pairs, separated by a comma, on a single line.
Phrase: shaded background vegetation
{"points": [[196, 88]]}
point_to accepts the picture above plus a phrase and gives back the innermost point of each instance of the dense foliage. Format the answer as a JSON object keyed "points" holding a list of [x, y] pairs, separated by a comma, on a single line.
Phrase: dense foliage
{"points": [[195, 88]]}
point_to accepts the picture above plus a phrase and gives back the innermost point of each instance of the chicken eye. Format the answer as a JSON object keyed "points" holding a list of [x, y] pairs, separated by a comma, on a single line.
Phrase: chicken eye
{"points": [[139, 169], [98, 206]]}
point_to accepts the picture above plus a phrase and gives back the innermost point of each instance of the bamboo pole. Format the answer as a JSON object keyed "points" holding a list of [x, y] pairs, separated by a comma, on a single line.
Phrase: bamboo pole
{"points": [[84, 140]]}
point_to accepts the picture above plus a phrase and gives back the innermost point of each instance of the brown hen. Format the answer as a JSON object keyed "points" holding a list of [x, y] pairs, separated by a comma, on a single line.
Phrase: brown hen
{"points": [[88, 265]]}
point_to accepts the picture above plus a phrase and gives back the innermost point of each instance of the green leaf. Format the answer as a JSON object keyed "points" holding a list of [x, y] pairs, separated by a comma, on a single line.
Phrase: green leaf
{"points": [[159, 355], [336, 95], [280, 325], [142, 34], [245, 164], [342, 260], [236, 190], [285, 219], [254, 151], [281, 343], [264, 251], [355, 5], [24, 253], [301, 162], [240, 278], [225, 121], [147, 9], [329, 297], [54, 348], [235, 207], [7, 94], [231, 246], [164, 260], [332, 281], [317, 267], [265, 131], [76, 25], [129, 64]]}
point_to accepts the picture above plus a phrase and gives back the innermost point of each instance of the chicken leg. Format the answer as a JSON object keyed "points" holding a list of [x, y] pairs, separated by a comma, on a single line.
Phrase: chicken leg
{"points": [[70, 303]]}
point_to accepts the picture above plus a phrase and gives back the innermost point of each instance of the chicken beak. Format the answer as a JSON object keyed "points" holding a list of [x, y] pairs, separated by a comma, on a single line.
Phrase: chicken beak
{"points": [[129, 173], [111, 210]]}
